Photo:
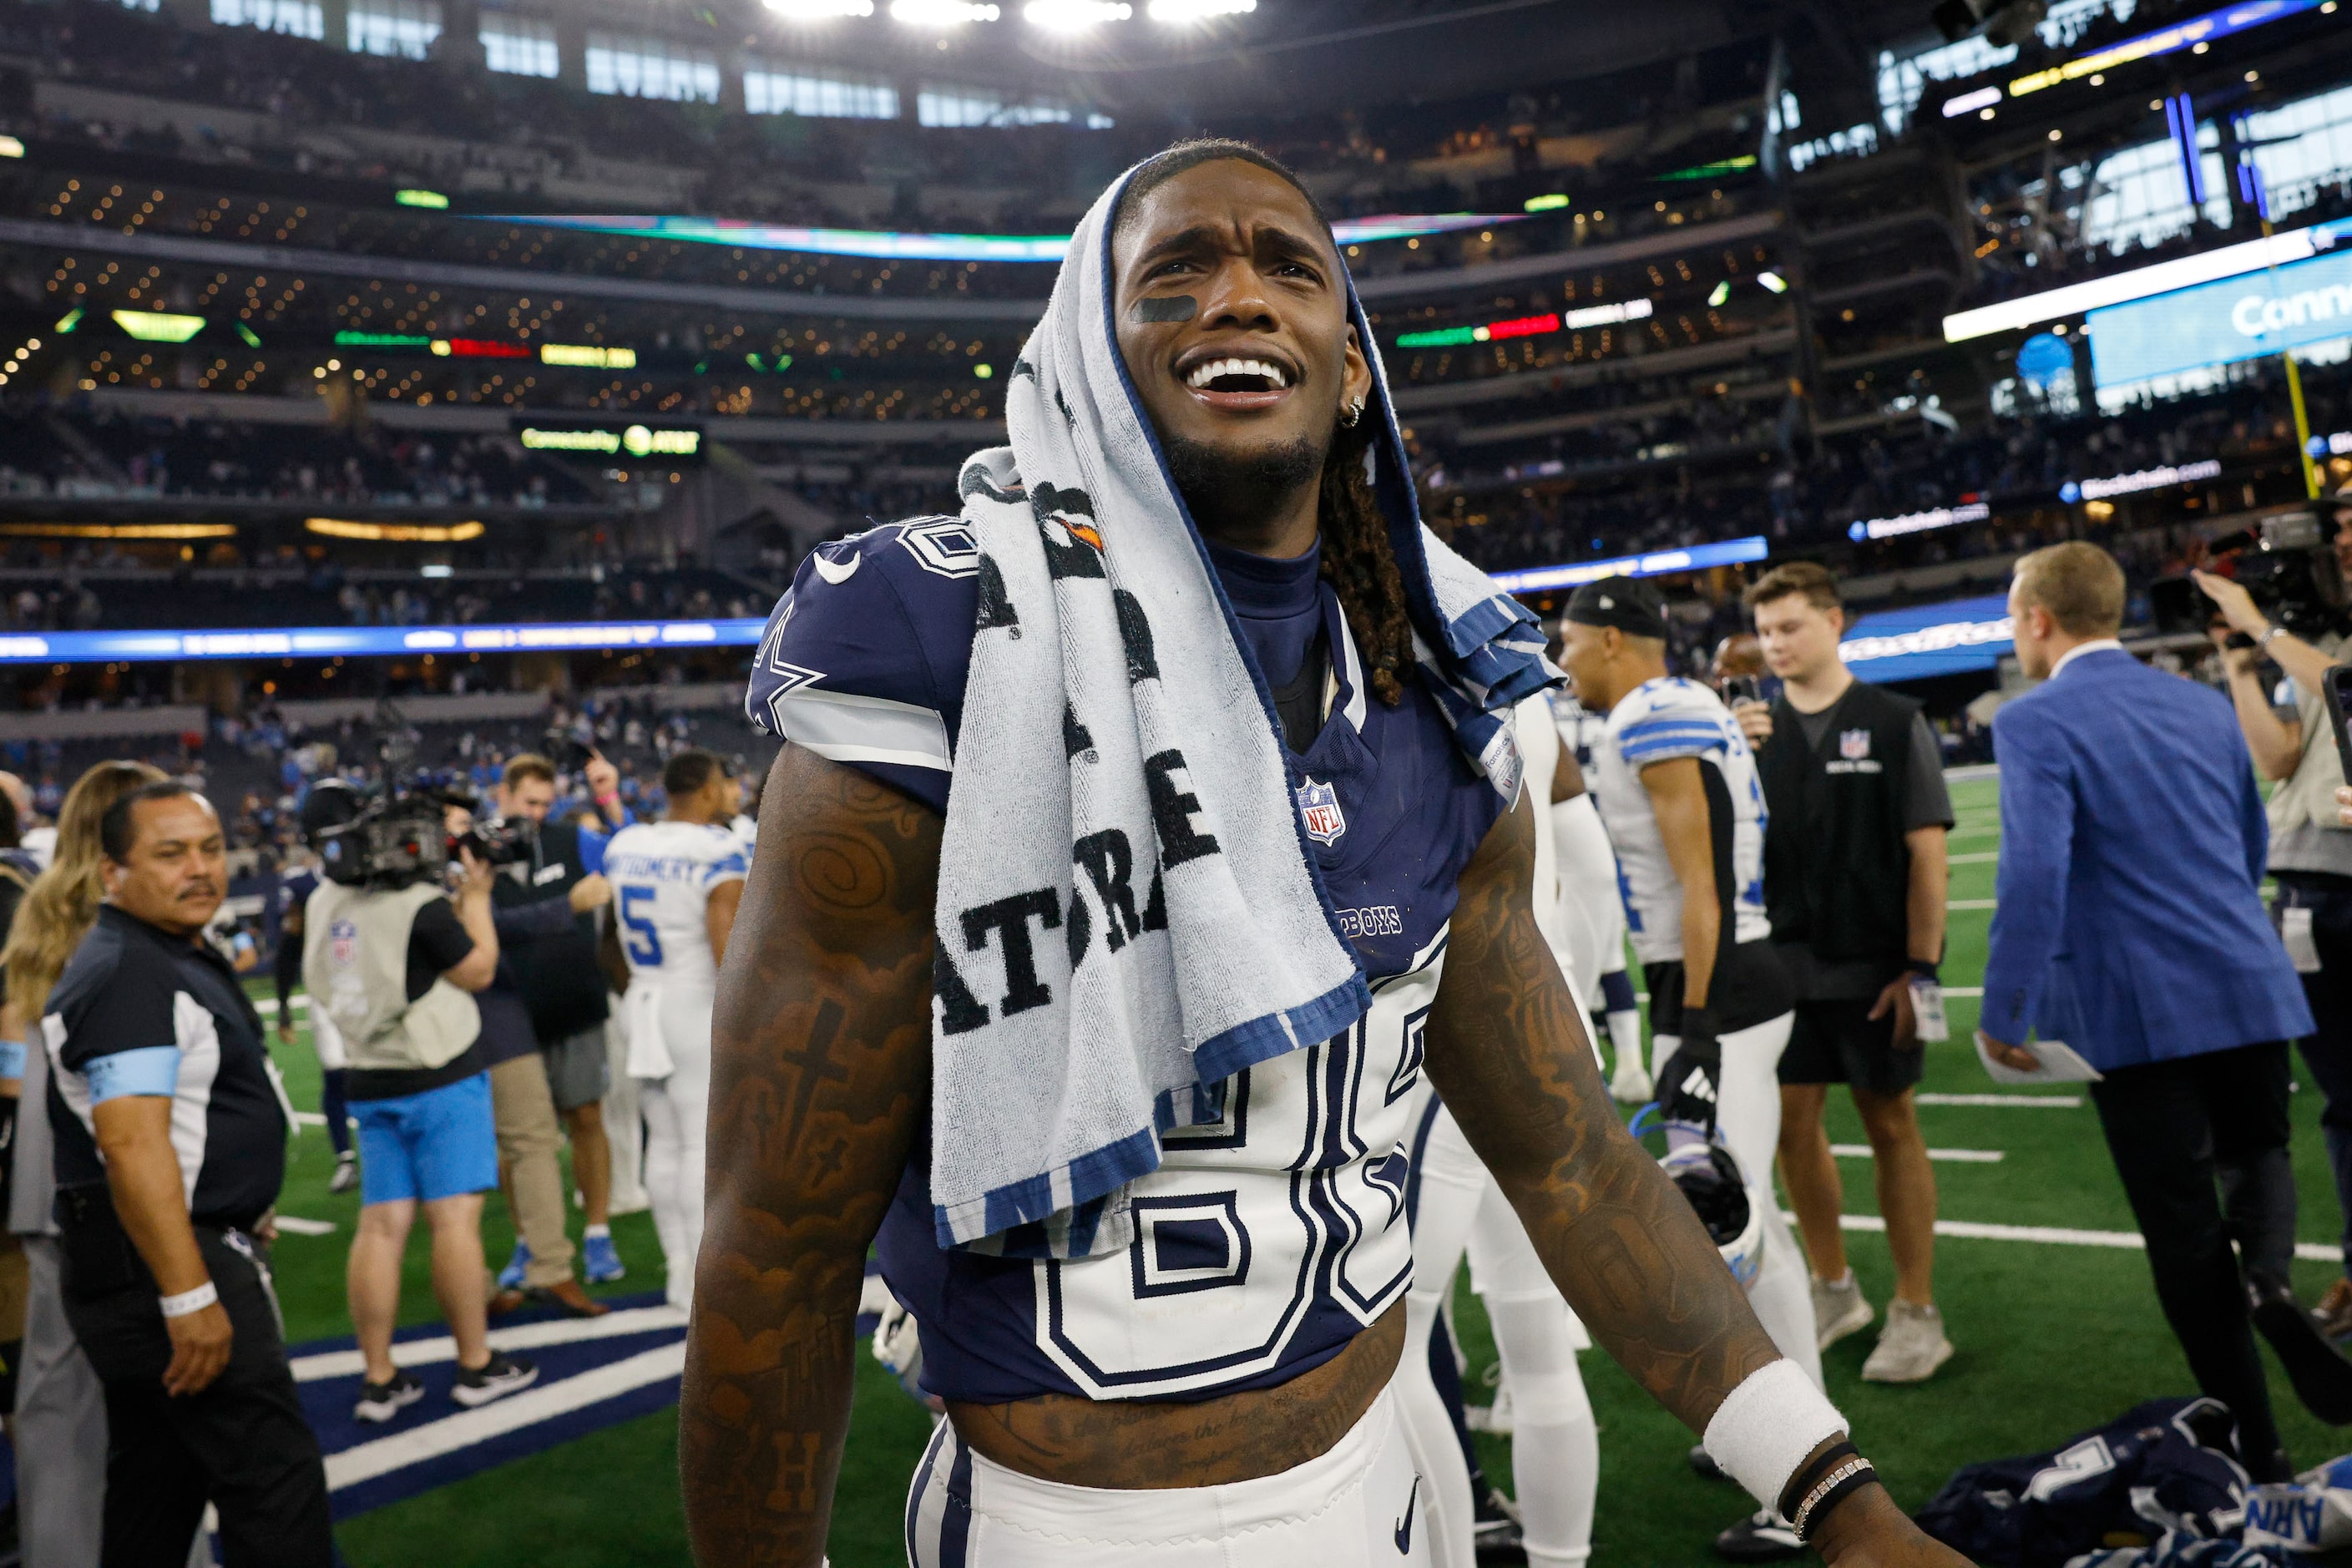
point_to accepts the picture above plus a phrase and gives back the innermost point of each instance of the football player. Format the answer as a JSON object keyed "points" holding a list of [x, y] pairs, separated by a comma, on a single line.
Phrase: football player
{"points": [[1220, 1387], [675, 887]]}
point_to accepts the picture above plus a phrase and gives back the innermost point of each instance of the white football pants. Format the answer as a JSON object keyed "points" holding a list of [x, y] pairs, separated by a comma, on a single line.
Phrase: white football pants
{"points": [[1359, 1504], [624, 1127], [678, 1109], [1555, 1444], [1747, 1109]]}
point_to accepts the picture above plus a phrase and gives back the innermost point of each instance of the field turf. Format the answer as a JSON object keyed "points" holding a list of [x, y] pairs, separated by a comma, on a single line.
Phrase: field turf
{"points": [[2052, 1337]]}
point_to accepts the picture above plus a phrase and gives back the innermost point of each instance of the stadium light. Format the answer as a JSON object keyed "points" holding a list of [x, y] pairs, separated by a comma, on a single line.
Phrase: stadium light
{"points": [[1074, 15], [157, 326], [1721, 296], [941, 12], [1774, 282], [820, 10], [1199, 10]]}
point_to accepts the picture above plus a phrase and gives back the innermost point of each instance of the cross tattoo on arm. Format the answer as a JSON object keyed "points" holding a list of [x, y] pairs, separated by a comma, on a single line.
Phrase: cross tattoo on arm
{"points": [[816, 1067]]}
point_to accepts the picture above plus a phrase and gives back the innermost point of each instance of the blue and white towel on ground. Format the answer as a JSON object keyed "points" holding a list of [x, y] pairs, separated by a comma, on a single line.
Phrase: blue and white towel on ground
{"points": [[1127, 909]]}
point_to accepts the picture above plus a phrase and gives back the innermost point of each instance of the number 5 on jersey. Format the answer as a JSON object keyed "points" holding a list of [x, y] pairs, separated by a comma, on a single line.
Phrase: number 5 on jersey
{"points": [[645, 943]]}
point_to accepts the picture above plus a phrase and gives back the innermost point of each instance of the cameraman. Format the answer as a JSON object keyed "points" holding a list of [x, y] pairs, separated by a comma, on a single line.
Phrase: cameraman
{"points": [[394, 964], [2310, 855], [546, 903]]}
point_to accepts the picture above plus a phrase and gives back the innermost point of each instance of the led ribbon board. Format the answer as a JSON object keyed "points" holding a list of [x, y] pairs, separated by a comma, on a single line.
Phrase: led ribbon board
{"points": [[1950, 639], [1657, 563], [895, 246], [2164, 41], [1528, 326], [646, 440], [1918, 521], [2146, 282], [2222, 322], [369, 642]]}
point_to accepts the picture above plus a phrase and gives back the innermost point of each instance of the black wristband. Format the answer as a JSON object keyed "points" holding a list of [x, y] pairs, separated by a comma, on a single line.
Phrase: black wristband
{"points": [[1837, 1494], [1809, 1475], [1927, 968]]}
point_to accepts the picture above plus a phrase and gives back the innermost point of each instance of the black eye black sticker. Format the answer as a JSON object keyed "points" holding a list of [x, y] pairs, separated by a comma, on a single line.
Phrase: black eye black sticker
{"points": [[1165, 307]]}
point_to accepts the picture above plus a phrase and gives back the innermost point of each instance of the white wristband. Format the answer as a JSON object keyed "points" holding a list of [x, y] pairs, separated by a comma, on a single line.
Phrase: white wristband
{"points": [[188, 1301], [1767, 1425]]}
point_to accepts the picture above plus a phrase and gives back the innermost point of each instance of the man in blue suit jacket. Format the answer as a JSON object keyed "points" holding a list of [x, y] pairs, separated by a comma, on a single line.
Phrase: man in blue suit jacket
{"points": [[2130, 925]]}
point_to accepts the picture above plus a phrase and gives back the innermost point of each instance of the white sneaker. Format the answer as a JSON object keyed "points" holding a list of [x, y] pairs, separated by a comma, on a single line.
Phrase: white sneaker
{"points": [[1910, 1348], [1840, 1308]]}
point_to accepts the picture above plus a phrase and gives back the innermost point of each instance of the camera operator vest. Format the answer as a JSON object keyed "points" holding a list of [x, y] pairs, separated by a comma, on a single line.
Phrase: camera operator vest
{"points": [[1836, 871], [355, 964]]}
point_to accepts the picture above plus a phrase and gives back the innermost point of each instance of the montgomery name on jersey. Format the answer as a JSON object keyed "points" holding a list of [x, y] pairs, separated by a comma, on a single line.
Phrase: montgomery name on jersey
{"points": [[662, 874], [1275, 1230], [1658, 722]]}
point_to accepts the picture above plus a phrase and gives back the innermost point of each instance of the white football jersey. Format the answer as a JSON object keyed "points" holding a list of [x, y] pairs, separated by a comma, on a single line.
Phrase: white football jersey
{"points": [[1580, 728], [1657, 722], [662, 874]]}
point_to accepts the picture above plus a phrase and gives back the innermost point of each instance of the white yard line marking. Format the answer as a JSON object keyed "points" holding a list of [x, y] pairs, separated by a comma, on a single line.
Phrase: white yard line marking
{"points": [[2029, 1101], [1952, 991], [309, 1119], [2059, 1235], [267, 1006], [295, 1225], [1987, 858], [523, 1337], [533, 1406], [1947, 1156], [1969, 904]]}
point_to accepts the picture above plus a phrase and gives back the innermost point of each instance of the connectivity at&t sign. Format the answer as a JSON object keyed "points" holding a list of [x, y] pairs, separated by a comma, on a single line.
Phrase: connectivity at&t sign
{"points": [[2220, 323]]}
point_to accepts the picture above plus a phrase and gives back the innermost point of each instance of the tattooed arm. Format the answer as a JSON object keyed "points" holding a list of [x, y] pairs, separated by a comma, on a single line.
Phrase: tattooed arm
{"points": [[1508, 1051], [820, 1079]]}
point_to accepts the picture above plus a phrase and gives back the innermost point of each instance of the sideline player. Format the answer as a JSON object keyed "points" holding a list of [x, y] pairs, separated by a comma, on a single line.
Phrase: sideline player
{"points": [[1592, 904], [1678, 787], [676, 885], [1217, 1389]]}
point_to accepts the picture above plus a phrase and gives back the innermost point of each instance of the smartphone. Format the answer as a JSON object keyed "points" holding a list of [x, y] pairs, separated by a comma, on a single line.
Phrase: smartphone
{"points": [[1738, 689], [2339, 701]]}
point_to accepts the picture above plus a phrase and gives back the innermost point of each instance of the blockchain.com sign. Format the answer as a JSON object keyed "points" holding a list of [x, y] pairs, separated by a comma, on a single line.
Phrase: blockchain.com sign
{"points": [[2220, 324]]}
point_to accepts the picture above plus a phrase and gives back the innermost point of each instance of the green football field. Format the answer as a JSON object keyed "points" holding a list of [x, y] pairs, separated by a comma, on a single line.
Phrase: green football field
{"points": [[2055, 1334]]}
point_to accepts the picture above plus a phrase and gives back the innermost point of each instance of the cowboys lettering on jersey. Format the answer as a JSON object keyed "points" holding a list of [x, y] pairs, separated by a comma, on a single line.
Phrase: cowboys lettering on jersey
{"points": [[1275, 1230]]}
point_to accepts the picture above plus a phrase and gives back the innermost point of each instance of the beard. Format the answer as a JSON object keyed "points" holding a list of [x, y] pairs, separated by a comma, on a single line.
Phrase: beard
{"points": [[1230, 494]]}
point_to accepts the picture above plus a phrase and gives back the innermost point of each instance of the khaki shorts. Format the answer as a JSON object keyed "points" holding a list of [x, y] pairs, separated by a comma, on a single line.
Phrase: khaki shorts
{"points": [[578, 1070]]}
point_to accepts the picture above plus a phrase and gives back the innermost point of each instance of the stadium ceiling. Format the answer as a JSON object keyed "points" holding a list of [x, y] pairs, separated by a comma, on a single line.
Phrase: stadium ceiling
{"points": [[1326, 54]]}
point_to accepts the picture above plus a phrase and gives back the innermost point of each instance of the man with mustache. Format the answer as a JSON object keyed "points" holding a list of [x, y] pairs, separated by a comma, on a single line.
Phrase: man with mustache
{"points": [[171, 1148]]}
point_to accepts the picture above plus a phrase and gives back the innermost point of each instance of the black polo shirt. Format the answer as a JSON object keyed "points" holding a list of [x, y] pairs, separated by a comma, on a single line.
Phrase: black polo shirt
{"points": [[139, 1010]]}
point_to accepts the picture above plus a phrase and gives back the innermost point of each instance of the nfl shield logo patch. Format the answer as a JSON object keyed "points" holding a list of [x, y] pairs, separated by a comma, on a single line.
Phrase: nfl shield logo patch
{"points": [[344, 943], [1853, 745], [1318, 807]]}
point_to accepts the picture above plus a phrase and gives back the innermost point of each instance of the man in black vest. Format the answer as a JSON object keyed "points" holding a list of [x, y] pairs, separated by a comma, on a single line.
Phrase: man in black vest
{"points": [[1855, 878]]}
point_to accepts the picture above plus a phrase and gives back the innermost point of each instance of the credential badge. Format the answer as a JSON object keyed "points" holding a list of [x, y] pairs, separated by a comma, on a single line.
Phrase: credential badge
{"points": [[1318, 807]]}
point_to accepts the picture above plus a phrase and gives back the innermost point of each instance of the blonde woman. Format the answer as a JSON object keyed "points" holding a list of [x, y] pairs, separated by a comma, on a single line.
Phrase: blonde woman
{"points": [[61, 1419]]}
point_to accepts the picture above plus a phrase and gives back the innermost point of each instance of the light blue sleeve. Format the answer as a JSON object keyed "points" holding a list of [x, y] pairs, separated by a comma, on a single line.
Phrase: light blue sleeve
{"points": [[727, 870], [147, 1070], [592, 850]]}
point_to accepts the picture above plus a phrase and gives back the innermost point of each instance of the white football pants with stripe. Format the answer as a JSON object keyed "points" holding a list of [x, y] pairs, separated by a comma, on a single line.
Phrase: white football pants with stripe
{"points": [[1360, 1505], [1748, 1111]]}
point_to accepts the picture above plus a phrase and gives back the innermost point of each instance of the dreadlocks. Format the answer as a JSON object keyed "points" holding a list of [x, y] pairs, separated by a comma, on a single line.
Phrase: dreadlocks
{"points": [[1360, 567], [1357, 559]]}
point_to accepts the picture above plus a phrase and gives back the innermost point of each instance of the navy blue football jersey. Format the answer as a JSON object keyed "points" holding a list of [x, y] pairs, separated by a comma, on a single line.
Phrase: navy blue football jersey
{"points": [[1275, 1230]]}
